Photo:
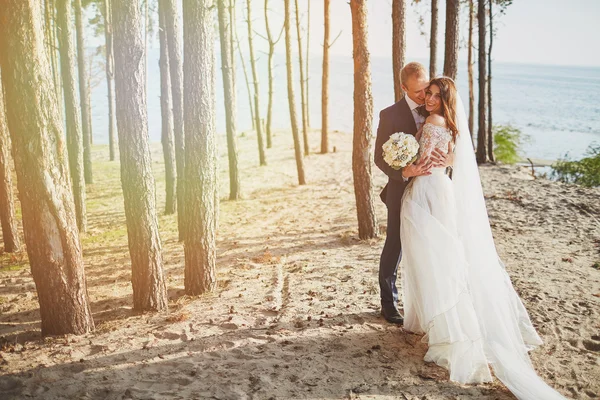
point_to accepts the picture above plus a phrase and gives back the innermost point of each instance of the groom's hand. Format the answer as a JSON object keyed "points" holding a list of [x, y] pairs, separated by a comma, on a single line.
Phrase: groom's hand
{"points": [[418, 168]]}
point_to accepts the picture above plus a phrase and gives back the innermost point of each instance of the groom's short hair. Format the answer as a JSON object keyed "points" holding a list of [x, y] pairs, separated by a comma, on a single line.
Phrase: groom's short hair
{"points": [[412, 69]]}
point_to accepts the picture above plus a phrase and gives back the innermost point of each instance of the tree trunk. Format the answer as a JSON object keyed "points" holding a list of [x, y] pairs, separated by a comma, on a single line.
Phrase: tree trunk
{"points": [[36, 130], [110, 76], [291, 100], [363, 119], [171, 15], [482, 118], [72, 110], [325, 83], [489, 88], [167, 133], [84, 97], [398, 44], [257, 122], [202, 195], [149, 289], [433, 40], [237, 41], [229, 98], [307, 65], [470, 70], [50, 31], [302, 87], [8, 220], [452, 37], [272, 44]]}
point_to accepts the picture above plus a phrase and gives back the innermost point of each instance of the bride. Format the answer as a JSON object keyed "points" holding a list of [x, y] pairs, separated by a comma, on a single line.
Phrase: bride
{"points": [[455, 288]]}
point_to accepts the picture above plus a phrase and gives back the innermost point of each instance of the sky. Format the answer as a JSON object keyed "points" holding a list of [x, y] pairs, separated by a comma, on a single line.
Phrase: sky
{"points": [[551, 32], [554, 32]]}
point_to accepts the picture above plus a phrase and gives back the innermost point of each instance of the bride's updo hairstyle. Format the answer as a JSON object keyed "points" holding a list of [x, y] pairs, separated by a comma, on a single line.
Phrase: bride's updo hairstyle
{"points": [[448, 99]]}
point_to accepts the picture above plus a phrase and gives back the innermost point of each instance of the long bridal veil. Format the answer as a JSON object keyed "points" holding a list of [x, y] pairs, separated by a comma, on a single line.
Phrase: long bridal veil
{"points": [[505, 326]]}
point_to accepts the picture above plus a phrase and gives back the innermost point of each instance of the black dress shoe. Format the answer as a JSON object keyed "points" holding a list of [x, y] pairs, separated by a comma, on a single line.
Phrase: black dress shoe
{"points": [[392, 316]]}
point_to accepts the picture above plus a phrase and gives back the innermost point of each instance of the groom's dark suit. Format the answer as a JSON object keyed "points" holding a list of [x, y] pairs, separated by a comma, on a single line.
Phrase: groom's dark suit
{"points": [[396, 118]]}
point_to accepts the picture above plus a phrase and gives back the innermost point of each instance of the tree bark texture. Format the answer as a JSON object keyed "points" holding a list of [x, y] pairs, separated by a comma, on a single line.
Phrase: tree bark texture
{"points": [[48, 209], [398, 44], [202, 195], [325, 82], [72, 109], [8, 219], [363, 119], [433, 40], [302, 87], [149, 288], [257, 122], [470, 63], [229, 98], [110, 79], [171, 15], [452, 37], [272, 44], [166, 138], [291, 99], [482, 118], [490, 128], [84, 96]]}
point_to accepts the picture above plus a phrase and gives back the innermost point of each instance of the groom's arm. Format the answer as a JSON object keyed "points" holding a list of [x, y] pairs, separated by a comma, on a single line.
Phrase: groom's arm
{"points": [[384, 131]]}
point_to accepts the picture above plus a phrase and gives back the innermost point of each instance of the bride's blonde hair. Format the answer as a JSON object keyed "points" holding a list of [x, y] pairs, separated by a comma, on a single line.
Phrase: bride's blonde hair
{"points": [[448, 98]]}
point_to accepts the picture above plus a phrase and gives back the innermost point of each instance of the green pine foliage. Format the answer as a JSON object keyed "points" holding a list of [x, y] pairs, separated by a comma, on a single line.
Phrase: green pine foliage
{"points": [[585, 172], [507, 140]]}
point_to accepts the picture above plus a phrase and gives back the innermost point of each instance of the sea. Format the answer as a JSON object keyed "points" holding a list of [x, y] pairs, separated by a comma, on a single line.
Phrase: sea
{"points": [[557, 108]]}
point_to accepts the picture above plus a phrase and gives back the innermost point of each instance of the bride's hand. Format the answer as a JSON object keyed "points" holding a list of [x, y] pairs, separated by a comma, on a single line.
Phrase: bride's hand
{"points": [[420, 167], [441, 159]]}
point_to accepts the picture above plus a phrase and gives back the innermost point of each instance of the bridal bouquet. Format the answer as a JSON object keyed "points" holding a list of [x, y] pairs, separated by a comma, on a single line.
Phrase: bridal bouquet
{"points": [[400, 150]]}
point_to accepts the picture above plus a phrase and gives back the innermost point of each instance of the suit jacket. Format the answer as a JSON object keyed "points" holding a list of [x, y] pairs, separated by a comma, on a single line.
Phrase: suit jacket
{"points": [[396, 118]]}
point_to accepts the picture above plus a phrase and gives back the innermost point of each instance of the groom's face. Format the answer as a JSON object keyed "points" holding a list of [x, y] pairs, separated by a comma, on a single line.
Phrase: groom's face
{"points": [[415, 88]]}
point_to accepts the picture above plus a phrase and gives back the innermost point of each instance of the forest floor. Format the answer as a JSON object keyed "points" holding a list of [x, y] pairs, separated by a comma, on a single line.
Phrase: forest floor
{"points": [[296, 311]]}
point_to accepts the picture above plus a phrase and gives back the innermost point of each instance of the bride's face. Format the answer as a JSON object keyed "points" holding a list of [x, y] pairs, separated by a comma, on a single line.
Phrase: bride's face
{"points": [[433, 102]]}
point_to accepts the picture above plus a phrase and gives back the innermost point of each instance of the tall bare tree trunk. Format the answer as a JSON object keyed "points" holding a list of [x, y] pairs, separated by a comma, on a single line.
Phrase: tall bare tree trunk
{"points": [[291, 100], [363, 119], [244, 70], [229, 98], [307, 65], [36, 130], [72, 110], [325, 82], [8, 220], [433, 40], [50, 31], [167, 133], [84, 97], [398, 44], [302, 87], [257, 122], [272, 44], [452, 36], [110, 79], [489, 88], [470, 63], [202, 195], [149, 288], [482, 118], [171, 15]]}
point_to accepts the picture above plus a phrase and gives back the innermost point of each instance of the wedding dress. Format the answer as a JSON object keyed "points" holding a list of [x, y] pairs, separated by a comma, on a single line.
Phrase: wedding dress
{"points": [[455, 288]]}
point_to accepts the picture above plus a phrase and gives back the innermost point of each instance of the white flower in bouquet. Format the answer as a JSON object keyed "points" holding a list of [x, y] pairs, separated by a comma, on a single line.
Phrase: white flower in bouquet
{"points": [[400, 150]]}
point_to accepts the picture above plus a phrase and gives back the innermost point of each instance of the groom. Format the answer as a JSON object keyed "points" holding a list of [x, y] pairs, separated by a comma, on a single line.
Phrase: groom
{"points": [[408, 116]]}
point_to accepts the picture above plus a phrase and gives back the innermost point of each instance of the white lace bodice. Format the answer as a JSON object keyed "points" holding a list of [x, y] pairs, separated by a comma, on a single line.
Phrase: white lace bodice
{"points": [[434, 136]]}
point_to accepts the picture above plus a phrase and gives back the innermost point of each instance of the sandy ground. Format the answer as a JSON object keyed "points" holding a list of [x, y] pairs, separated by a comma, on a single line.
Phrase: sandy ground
{"points": [[295, 314]]}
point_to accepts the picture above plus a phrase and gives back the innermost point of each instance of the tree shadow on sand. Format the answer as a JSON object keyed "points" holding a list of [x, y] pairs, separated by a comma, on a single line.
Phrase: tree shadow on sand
{"points": [[324, 360]]}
